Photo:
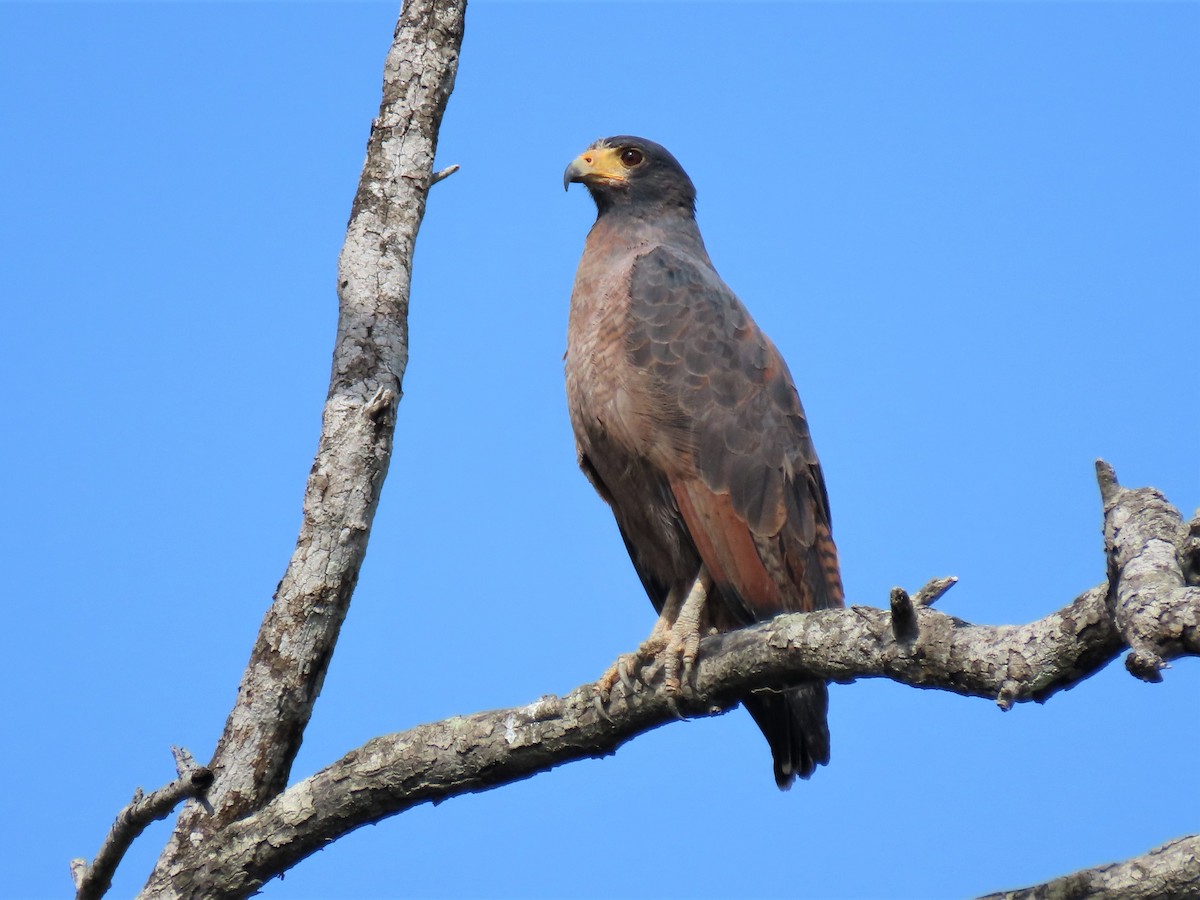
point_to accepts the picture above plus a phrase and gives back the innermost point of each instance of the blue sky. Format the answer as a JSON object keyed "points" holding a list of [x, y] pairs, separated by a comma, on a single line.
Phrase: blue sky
{"points": [[973, 230]]}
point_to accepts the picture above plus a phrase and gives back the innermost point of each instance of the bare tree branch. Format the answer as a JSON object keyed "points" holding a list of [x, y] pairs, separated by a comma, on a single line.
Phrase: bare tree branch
{"points": [[291, 655], [392, 773], [470, 753], [933, 591], [442, 174], [1148, 546], [1169, 871], [92, 881]]}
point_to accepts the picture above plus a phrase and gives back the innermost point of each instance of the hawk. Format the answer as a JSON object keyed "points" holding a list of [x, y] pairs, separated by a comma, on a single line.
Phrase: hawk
{"points": [[688, 424]]}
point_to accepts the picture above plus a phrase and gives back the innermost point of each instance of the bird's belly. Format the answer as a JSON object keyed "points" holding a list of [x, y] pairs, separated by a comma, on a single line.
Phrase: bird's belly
{"points": [[611, 433], [601, 392], [608, 418], [640, 496]]}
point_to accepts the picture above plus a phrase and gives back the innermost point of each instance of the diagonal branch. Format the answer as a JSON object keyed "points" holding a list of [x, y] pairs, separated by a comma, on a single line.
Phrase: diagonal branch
{"points": [[1171, 870], [291, 655], [393, 773], [92, 881], [390, 774]]}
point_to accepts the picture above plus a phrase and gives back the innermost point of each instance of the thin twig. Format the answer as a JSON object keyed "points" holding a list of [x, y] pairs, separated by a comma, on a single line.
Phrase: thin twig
{"points": [[93, 881], [933, 591]]}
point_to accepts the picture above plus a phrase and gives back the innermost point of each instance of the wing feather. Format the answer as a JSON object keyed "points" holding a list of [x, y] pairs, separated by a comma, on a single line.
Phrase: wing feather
{"points": [[742, 467]]}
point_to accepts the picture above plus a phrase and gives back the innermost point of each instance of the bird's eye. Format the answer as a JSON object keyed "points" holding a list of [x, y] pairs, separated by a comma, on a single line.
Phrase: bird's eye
{"points": [[630, 157]]}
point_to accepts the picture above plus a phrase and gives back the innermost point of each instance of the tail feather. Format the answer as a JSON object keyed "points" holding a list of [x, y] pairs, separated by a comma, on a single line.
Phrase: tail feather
{"points": [[794, 724]]}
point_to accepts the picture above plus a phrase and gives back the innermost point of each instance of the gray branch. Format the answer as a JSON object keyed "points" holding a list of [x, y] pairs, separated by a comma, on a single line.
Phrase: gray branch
{"points": [[1169, 871], [1149, 548], [289, 660], [1005, 663], [93, 880]]}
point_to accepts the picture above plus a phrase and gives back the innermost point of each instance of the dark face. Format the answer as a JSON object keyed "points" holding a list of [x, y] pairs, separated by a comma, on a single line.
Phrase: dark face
{"points": [[632, 173]]}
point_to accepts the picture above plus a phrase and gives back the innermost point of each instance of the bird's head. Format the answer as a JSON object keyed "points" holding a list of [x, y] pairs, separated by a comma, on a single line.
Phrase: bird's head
{"points": [[632, 173]]}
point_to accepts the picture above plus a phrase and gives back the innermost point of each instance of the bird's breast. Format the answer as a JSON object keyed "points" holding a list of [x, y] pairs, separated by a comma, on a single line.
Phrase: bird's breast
{"points": [[603, 387]]}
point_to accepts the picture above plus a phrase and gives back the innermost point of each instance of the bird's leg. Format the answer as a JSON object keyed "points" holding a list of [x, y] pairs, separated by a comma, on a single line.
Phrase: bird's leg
{"points": [[658, 639], [679, 655], [660, 634]]}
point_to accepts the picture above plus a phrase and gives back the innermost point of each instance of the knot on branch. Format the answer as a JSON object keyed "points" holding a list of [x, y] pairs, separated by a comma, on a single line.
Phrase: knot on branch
{"points": [[380, 406], [904, 607], [904, 616], [1008, 694], [1146, 665]]}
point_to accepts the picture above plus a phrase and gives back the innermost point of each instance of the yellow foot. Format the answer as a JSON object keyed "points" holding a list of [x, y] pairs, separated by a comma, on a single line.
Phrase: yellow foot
{"points": [[627, 666], [673, 644], [679, 655], [679, 661]]}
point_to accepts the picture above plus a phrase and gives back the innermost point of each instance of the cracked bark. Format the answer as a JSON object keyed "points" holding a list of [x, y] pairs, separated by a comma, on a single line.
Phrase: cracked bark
{"points": [[289, 660], [1005, 663], [1149, 548], [1169, 872], [93, 880]]}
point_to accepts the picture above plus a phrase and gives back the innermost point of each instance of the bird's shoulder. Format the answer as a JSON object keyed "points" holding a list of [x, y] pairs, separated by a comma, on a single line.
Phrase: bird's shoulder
{"points": [[689, 328], [747, 427]]}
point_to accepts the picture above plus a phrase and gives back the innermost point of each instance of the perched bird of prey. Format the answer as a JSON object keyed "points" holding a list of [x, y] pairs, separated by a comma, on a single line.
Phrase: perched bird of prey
{"points": [[688, 424]]}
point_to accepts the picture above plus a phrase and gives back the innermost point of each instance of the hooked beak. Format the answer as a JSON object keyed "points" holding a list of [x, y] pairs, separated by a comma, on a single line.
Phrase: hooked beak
{"points": [[596, 165]]}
